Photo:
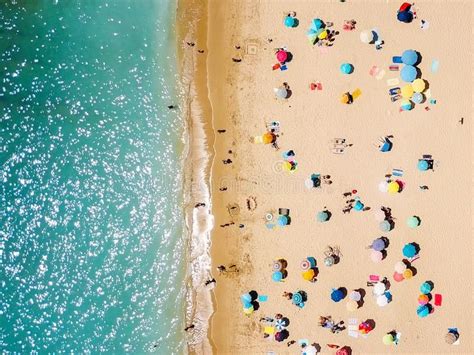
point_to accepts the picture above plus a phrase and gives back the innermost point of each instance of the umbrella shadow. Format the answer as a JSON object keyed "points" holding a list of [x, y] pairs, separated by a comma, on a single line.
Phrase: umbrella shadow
{"points": [[256, 305], [419, 223], [329, 214], [413, 270], [288, 93], [431, 283], [253, 294], [289, 57], [296, 23], [417, 247], [304, 295], [371, 323], [362, 293], [418, 73], [317, 347], [284, 274], [420, 58], [384, 254], [344, 291], [386, 241]]}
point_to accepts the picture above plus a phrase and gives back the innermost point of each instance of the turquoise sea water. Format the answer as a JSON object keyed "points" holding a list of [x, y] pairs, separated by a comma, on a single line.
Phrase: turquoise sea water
{"points": [[91, 239]]}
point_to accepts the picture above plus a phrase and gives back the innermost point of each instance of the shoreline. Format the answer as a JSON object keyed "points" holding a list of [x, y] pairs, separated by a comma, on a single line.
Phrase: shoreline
{"points": [[191, 20]]}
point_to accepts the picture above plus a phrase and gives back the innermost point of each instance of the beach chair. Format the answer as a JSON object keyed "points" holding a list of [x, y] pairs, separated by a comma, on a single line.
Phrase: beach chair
{"points": [[338, 140], [284, 211], [336, 150], [356, 93], [397, 172]]}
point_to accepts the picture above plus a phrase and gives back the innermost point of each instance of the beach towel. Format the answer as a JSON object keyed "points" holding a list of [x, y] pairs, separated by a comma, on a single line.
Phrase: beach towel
{"points": [[397, 172], [356, 93], [269, 330], [262, 298], [438, 299]]}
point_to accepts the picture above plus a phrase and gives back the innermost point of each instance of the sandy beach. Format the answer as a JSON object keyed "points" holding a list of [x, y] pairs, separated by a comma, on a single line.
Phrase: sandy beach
{"points": [[242, 103]]}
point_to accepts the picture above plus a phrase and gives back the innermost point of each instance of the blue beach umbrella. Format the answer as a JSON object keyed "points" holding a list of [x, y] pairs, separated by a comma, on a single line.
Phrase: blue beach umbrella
{"points": [[346, 68], [423, 311], [246, 298], [386, 146], [378, 244], [289, 21], [297, 298], [409, 251], [405, 16], [423, 165], [417, 98], [425, 288], [408, 73], [322, 216], [277, 276], [282, 221], [409, 57], [358, 206], [317, 24], [337, 295]]}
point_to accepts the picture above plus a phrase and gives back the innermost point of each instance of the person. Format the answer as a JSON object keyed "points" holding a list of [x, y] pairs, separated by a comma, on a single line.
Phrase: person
{"points": [[189, 327], [200, 50], [227, 161], [200, 204], [287, 295], [208, 282], [236, 60], [267, 319], [171, 107], [223, 189], [424, 187], [221, 269], [221, 131], [278, 316], [291, 342]]}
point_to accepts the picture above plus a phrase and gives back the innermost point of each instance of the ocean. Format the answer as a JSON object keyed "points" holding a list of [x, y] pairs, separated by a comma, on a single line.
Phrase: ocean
{"points": [[92, 245]]}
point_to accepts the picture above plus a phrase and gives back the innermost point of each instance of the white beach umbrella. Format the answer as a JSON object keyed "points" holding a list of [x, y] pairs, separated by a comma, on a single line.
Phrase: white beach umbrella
{"points": [[355, 296], [382, 300], [379, 288], [400, 267], [281, 93], [379, 215], [309, 183], [383, 186], [366, 36]]}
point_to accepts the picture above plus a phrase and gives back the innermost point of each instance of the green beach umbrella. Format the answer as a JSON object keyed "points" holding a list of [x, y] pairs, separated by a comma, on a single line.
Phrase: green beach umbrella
{"points": [[322, 216], [385, 226], [413, 222]]}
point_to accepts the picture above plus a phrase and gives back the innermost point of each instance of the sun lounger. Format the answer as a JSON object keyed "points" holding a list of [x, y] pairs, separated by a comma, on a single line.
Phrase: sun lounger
{"points": [[339, 140], [356, 93], [284, 211], [397, 172], [337, 150]]}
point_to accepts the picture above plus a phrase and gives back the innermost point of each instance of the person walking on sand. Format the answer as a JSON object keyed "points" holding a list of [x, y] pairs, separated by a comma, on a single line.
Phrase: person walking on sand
{"points": [[208, 282]]}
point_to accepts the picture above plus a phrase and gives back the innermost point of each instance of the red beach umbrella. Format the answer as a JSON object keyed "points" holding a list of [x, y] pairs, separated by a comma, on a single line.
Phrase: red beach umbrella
{"points": [[282, 56]]}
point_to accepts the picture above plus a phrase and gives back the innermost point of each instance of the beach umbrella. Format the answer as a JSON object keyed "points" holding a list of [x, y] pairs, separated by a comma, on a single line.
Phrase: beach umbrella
{"points": [[400, 267], [378, 244], [345, 350], [406, 105], [408, 73], [290, 21], [386, 146], [379, 215], [308, 275], [281, 93], [329, 261], [317, 24], [282, 56], [281, 335], [450, 338], [323, 34], [423, 165], [393, 187], [346, 68], [364, 327], [423, 299], [418, 85], [425, 288], [383, 187], [388, 339], [355, 296], [385, 226], [322, 216], [376, 256], [279, 324], [268, 138], [312, 38], [405, 7], [407, 91], [282, 221], [398, 276], [413, 222], [352, 306], [309, 183], [246, 298], [409, 57], [248, 311], [345, 98], [366, 36], [312, 261], [337, 295], [417, 98], [358, 206], [277, 276], [305, 265], [409, 250], [382, 300], [423, 311], [379, 288], [297, 298], [407, 274], [310, 350], [277, 265], [405, 16]]}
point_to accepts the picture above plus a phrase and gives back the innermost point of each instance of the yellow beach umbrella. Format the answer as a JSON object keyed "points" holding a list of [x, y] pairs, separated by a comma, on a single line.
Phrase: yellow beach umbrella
{"points": [[345, 99], [308, 275], [323, 34], [268, 138], [407, 274], [418, 85], [287, 166], [407, 91], [393, 187], [248, 311]]}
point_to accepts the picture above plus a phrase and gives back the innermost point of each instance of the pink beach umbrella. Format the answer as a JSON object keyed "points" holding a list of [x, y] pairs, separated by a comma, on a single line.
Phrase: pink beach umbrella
{"points": [[376, 256], [400, 267], [282, 56], [398, 276]]}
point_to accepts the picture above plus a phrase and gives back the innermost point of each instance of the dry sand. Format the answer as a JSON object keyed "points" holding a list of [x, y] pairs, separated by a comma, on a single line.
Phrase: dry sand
{"points": [[242, 101]]}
